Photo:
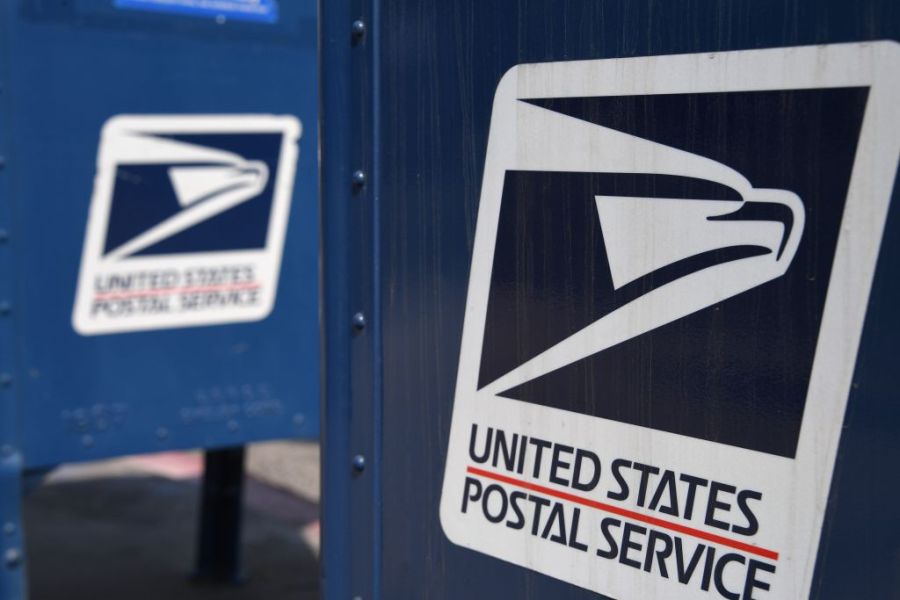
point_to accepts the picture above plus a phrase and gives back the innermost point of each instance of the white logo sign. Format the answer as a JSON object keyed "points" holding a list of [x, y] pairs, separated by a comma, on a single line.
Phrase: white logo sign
{"points": [[643, 236], [670, 274], [187, 221]]}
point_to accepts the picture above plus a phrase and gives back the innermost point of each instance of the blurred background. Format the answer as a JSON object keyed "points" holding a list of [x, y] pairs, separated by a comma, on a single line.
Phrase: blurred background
{"points": [[159, 299]]}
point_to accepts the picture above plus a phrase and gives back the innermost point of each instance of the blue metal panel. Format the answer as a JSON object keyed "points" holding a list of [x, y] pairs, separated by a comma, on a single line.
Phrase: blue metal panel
{"points": [[858, 553], [432, 82], [12, 575], [68, 68], [352, 409]]}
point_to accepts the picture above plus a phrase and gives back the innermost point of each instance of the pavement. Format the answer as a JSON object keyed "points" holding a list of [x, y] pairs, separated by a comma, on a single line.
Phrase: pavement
{"points": [[126, 528]]}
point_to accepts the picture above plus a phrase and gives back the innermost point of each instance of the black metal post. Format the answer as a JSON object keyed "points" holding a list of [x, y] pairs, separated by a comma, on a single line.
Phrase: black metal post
{"points": [[221, 507]]}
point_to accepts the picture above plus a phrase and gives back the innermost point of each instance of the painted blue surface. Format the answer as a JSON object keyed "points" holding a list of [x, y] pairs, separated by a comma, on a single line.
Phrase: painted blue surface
{"points": [[414, 102], [352, 412], [265, 11], [68, 67]]}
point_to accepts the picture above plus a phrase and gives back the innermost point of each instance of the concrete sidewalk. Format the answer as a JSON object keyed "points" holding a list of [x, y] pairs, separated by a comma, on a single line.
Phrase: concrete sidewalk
{"points": [[126, 528]]}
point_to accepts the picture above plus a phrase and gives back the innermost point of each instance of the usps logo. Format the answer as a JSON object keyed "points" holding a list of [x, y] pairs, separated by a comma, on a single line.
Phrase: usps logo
{"points": [[187, 221], [671, 268]]}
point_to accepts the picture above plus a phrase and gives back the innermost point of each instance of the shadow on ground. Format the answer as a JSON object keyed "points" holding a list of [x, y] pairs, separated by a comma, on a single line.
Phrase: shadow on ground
{"points": [[132, 536]]}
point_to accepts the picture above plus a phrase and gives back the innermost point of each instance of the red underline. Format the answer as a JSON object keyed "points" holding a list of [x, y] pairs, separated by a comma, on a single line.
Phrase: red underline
{"points": [[628, 514], [173, 290]]}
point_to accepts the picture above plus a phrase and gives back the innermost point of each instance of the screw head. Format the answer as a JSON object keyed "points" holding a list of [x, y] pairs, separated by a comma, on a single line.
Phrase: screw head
{"points": [[5, 379], [87, 441], [358, 28], [359, 463], [4, 235], [232, 426], [5, 308], [162, 433], [358, 178], [359, 321], [12, 557], [299, 420]]}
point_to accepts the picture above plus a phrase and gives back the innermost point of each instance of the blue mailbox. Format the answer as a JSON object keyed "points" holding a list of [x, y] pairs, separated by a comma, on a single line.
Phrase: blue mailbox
{"points": [[629, 278], [158, 239]]}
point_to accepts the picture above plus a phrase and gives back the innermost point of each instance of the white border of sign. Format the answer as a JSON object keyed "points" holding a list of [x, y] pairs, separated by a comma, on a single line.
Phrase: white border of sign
{"points": [[797, 490]]}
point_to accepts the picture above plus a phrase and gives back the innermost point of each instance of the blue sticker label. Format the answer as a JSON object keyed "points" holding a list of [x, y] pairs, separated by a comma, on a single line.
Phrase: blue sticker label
{"points": [[265, 11]]}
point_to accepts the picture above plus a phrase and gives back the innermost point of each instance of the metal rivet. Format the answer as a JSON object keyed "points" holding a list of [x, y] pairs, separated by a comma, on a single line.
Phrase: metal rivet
{"points": [[13, 558], [232, 426], [358, 178], [5, 379], [359, 463], [299, 420], [358, 28], [162, 433], [5, 308], [9, 528], [87, 441], [359, 321]]}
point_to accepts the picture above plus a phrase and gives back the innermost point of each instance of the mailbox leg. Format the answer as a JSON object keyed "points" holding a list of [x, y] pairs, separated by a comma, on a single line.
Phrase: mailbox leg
{"points": [[221, 507]]}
